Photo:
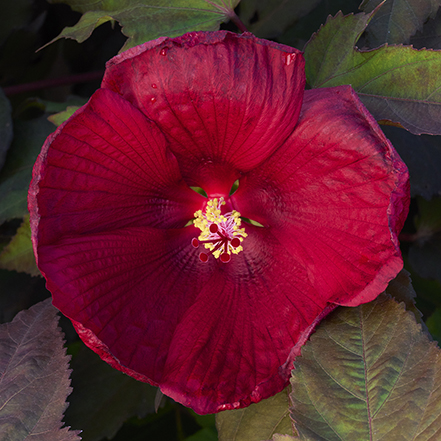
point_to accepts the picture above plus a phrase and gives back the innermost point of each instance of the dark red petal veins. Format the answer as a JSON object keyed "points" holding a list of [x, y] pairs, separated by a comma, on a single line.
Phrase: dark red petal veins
{"points": [[211, 339], [108, 167], [225, 101], [129, 287], [335, 197], [241, 352]]}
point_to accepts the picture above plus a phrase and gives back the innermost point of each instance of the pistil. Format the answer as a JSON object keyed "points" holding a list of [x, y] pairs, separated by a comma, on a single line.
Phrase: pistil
{"points": [[220, 234]]}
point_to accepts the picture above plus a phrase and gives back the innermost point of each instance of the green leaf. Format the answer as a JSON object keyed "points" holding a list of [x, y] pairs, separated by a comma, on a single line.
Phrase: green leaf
{"points": [[257, 422], [298, 34], [5, 127], [434, 325], [208, 431], [397, 20], [18, 255], [144, 20], [396, 83], [103, 397], [429, 290], [368, 373], [330, 52], [14, 196], [205, 434], [271, 18], [34, 377], [56, 107], [29, 137], [428, 221], [425, 252], [60, 117]]}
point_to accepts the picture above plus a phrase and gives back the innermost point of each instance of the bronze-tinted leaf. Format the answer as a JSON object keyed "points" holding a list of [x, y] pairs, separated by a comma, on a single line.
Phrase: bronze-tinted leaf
{"points": [[257, 422], [368, 373]]}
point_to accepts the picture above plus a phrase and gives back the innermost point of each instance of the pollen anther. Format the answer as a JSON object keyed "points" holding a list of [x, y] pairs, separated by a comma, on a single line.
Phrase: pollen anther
{"points": [[220, 233]]}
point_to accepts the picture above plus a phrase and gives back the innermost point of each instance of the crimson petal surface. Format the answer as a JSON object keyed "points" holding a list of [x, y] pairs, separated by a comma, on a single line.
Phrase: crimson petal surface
{"points": [[106, 168], [335, 197], [224, 101]]}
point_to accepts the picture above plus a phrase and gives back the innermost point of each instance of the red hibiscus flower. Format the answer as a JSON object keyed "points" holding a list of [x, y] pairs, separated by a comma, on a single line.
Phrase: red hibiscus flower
{"points": [[210, 297]]}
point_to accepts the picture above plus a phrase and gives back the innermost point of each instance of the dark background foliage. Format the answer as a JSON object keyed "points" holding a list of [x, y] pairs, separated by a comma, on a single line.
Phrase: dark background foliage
{"points": [[36, 84]]}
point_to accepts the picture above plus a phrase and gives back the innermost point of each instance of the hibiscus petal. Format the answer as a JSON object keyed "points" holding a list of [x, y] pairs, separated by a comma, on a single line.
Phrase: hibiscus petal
{"points": [[335, 196], [122, 288], [109, 204], [105, 168], [225, 101], [240, 352], [212, 336]]}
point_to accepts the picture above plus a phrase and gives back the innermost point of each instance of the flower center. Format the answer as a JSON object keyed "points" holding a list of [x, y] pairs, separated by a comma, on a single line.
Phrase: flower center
{"points": [[220, 233]]}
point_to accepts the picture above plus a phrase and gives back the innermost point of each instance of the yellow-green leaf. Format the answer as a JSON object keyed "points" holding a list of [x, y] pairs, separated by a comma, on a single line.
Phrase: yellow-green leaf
{"points": [[18, 255], [60, 117], [396, 83]]}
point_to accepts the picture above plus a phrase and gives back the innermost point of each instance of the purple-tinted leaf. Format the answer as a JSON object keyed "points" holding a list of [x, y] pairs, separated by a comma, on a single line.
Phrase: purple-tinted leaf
{"points": [[397, 20], [396, 83], [16, 175], [430, 36], [34, 377], [368, 373]]}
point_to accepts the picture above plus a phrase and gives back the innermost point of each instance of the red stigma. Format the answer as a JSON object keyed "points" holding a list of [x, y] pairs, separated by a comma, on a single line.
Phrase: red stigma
{"points": [[225, 257], [203, 257], [235, 242]]}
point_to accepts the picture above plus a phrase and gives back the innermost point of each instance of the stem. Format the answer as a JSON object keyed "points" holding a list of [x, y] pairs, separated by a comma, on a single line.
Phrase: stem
{"points": [[54, 82], [238, 22]]}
